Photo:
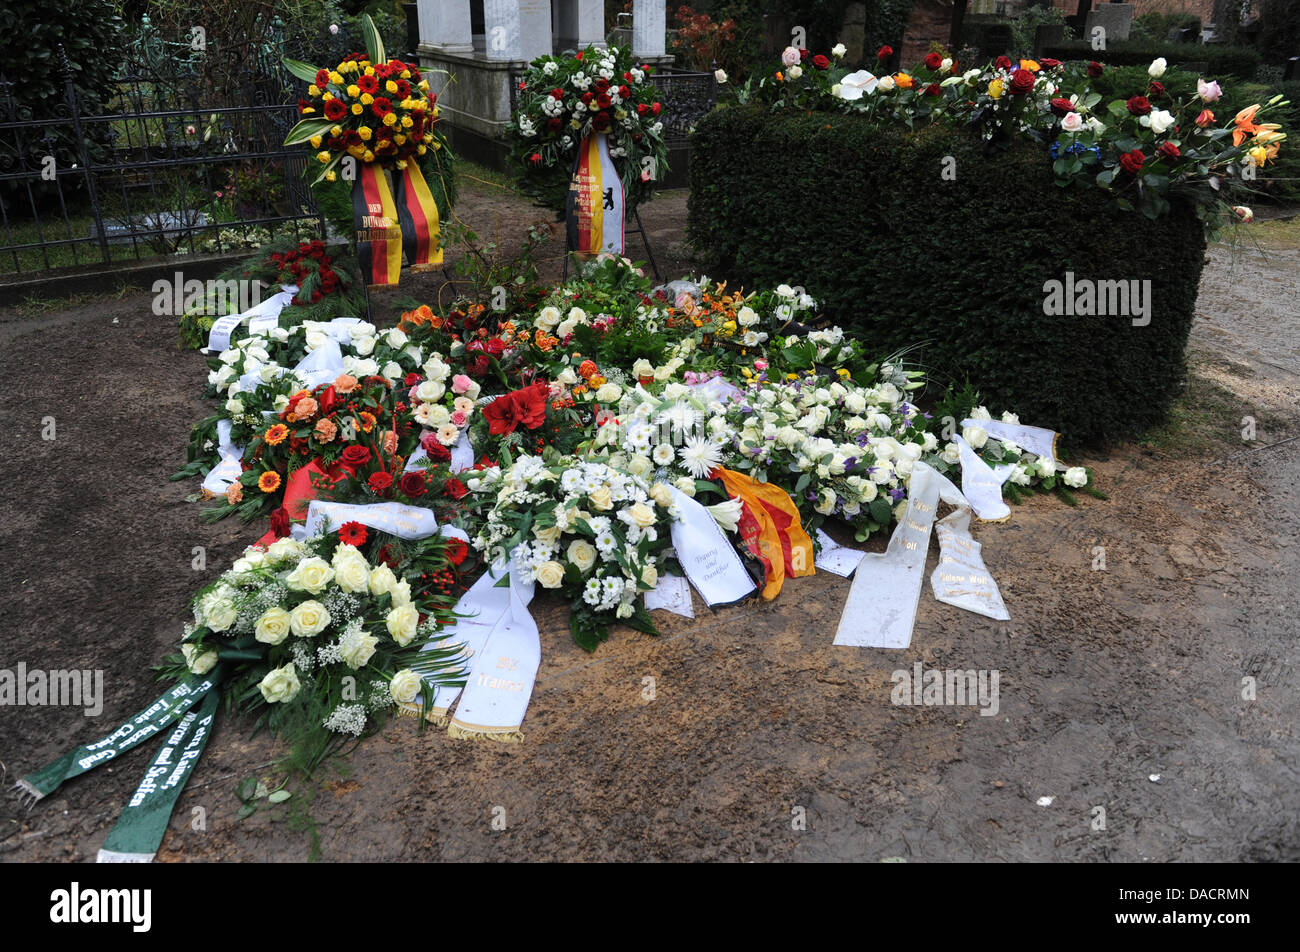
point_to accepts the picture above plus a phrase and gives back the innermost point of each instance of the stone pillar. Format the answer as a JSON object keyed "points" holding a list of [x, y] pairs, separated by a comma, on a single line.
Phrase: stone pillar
{"points": [[649, 28], [516, 30], [444, 25], [591, 22]]}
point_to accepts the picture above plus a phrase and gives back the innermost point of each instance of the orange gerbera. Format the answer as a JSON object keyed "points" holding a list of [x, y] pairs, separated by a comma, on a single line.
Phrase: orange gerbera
{"points": [[269, 481], [368, 421], [276, 434]]}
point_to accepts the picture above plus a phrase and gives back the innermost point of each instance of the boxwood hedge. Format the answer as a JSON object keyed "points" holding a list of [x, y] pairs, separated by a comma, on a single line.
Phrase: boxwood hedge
{"points": [[865, 221]]}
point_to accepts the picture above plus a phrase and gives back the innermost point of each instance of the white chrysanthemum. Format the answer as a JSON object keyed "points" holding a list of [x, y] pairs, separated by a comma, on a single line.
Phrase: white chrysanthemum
{"points": [[700, 456]]}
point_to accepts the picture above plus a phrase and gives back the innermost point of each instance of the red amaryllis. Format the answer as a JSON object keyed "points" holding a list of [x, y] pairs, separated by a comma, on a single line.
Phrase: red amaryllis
{"points": [[1022, 82], [381, 482], [412, 484], [1132, 161], [352, 533], [1139, 105]]}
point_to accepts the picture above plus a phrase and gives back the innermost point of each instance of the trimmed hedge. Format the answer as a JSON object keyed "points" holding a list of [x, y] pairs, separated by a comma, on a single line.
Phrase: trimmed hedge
{"points": [[861, 218], [1238, 61]]}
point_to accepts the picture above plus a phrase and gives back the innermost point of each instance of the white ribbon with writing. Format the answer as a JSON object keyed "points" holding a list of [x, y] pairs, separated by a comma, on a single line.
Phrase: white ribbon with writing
{"points": [[223, 327], [707, 556], [504, 663], [961, 577], [1039, 441], [981, 486], [405, 522]]}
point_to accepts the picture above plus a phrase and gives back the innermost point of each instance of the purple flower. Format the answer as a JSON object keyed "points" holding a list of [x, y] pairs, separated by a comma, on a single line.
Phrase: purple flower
{"points": [[897, 494]]}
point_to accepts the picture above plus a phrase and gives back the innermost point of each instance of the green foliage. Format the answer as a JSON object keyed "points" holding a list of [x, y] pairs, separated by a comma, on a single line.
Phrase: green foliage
{"points": [[1236, 61], [1024, 28], [90, 32], [1155, 27], [860, 216]]}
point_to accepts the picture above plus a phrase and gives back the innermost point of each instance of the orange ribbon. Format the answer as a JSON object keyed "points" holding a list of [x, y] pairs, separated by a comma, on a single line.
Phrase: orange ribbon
{"points": [[771, 529]]}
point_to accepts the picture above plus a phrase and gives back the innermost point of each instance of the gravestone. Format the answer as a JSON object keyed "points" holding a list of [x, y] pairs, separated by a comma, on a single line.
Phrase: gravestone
{"points": [[1115, 18]]}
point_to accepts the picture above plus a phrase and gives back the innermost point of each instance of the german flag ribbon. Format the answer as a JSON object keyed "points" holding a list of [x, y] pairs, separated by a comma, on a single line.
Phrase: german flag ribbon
{"points": [[770, 526], [594, 210], [417, 215], [379, 236]]}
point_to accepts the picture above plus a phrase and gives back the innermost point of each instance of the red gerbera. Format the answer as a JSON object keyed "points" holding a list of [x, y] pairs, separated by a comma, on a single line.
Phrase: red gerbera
{"points": [[368, 84], [352, 533], [382, 106], [335, 110], [457, 551]]}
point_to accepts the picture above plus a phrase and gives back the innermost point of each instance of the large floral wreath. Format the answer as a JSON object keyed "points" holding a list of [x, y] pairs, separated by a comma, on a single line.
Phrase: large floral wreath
{"points": [[563, 99]]}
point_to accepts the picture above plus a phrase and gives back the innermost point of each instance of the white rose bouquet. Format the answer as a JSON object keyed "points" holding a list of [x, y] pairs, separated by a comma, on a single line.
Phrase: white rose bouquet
{"points": [[319, 640], [594, 533]]}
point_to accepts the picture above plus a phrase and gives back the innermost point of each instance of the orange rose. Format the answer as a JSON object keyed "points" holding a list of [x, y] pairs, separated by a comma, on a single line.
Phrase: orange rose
{"points": [[903, 81]]}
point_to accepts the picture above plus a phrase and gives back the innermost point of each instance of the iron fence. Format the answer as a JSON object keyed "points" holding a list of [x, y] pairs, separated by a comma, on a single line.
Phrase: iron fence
{"points": [[183, 156]]}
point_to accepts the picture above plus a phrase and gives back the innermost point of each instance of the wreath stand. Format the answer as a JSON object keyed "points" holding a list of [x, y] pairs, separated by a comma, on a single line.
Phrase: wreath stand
{"points": [[569, 250]]}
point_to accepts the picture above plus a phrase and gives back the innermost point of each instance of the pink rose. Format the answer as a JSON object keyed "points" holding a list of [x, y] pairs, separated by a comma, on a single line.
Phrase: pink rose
{"points": [[1208, 91], [458, 418], [790, 56], [1072, 122], [461, 383]]}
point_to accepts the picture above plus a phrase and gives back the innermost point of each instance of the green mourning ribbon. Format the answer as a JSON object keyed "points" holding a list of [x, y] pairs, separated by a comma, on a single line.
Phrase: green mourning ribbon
{"points": [[143, 822], [139, 830]]}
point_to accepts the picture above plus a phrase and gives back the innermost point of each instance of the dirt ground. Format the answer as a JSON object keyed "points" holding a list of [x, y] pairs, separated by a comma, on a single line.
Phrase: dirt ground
{"points": [[1121, 688]]}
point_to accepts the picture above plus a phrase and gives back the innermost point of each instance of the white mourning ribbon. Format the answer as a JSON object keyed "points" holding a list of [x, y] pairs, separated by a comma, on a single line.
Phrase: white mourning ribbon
{"points": [[880, 611], [707, 556], [228, 468], [671, 593], [462, 456], [266, 313], [405, 522], [835, 558], [505, 652]]}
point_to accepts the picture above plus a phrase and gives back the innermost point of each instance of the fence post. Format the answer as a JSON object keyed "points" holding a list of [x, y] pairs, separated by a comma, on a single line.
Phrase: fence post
{"points": [[71, 92]]}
